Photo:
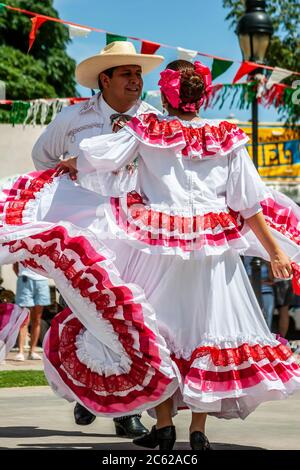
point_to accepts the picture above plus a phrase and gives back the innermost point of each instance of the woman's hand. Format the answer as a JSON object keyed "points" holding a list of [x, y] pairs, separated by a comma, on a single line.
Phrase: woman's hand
{"points": [[281, 265], [69, 165], [280, 262]]}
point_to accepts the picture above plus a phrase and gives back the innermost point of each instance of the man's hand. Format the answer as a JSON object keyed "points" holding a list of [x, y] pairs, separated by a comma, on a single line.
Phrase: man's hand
{"points": [[69, 165]]}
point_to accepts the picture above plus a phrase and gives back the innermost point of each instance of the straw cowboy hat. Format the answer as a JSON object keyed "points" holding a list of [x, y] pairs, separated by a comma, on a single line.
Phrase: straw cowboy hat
{"points": [[113, 55]]}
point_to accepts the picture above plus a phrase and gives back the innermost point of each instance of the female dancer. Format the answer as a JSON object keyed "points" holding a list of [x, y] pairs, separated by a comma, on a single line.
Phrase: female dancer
{"points": [[162, 315]]}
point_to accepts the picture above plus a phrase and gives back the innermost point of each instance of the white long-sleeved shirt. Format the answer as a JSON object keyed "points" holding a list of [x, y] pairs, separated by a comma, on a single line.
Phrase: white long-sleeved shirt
{"points": [[74, 123]]}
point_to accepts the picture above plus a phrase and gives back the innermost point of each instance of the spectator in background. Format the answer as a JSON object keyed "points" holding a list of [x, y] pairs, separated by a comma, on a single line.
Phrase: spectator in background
{"points": [[267, 291], [32, 292], [283, 300], [6, 296]]}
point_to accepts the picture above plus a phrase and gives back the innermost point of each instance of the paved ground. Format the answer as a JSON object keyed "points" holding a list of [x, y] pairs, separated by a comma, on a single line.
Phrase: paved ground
{"points": [[11, 364], [34, 418]]}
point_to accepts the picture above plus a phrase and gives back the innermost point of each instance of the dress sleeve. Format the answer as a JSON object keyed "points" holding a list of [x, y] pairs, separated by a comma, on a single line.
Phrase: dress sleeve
{"points": [[107, 152], [108, 164], [245, 188]]}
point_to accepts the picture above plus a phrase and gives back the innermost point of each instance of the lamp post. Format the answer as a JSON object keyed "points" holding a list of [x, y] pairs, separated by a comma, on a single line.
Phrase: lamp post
{"points": [[254, 30]]}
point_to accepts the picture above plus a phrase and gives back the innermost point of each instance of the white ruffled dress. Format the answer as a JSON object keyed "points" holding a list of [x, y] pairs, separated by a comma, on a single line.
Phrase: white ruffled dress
{"points": [[146, 253]]}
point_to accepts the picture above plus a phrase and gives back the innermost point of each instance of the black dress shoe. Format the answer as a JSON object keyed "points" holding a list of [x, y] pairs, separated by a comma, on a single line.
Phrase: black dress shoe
{"points": [[130, 426], [199, 441], [82, 415], [164, 438]]}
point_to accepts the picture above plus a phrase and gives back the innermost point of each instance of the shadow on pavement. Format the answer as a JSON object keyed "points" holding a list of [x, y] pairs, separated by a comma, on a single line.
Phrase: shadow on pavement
{"points": [[31, 431], [129, 446]]}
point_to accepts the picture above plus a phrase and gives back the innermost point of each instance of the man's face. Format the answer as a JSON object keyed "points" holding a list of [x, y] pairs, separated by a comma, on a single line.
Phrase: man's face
{"points": [[125, 85]]}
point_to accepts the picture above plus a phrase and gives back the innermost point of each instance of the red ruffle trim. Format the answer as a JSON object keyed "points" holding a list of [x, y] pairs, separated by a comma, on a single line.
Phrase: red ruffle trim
{"points": [[282, 219], [65, 351], [234, 356], [159, 228], [24, 190], [120, 310], [184, 225], [199, 142]]}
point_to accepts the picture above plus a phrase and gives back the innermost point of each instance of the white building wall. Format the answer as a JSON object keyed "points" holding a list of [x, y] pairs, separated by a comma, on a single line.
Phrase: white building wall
{"points": [[15, 148], [15, 156]]}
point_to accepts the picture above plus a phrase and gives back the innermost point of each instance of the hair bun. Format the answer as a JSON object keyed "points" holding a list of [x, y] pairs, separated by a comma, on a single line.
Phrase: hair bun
{"points": [[191, 87]]}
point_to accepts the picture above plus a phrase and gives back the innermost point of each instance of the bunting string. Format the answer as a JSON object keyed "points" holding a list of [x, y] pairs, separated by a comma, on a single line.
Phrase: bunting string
{"points": [[241, 95], [220, 64]]}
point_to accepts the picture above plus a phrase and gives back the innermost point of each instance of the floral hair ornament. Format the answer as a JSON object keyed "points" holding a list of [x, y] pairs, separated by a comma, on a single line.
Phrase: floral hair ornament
{"points": [[205, 73], [170, 86]]}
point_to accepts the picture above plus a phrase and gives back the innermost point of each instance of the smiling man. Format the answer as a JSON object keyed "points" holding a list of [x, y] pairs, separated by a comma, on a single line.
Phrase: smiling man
{"points": [[117, 72], [121, 85]]}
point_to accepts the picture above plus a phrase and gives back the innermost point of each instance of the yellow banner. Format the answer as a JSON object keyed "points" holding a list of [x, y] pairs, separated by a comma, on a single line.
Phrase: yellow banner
{"points": [[278, 152]]}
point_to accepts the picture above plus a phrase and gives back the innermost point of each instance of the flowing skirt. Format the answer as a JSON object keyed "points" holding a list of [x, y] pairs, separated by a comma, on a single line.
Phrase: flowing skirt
{"points": [[12, 318], [144, 325]]}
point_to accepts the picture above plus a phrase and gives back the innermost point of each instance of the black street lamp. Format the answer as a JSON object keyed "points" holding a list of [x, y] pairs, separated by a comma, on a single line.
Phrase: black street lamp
{"points": [[255, 30]]}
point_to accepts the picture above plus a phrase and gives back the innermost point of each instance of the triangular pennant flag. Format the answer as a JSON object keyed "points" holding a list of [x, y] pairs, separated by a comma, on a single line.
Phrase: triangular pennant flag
{"points": [[149, 47], [244, 69], [153, 93], [78, 31], [114, 37], [37, 22], [275, 95], [186, 54], [219, 67], [277, 76]]}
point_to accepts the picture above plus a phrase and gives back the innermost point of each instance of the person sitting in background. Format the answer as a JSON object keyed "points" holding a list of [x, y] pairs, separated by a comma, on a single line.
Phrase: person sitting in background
{"points": [[32, 292]]}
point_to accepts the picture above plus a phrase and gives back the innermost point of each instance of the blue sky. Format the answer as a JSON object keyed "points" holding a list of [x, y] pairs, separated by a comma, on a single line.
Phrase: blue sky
{"points": [[192, 24]]}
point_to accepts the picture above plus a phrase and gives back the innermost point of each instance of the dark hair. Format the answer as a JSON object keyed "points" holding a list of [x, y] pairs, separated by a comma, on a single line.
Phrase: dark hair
{"points": [[191, 84], [109, 73]]}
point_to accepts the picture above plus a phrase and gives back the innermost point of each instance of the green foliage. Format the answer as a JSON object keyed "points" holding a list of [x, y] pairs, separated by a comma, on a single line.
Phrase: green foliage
{"points": [[22, 378], [5, 114], [25, 76], [284, 49], [47, 71]]}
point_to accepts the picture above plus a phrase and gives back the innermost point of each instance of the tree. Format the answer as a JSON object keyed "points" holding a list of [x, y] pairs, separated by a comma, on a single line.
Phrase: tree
{"points": [[47, 71], [284, 49]]}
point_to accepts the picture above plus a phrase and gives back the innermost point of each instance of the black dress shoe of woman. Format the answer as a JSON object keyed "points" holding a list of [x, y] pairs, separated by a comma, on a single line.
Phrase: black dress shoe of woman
{"points": [[199, 441], [164, 438]]}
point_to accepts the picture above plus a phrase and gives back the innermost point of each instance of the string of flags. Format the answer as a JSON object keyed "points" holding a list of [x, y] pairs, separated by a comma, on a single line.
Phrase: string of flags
{"points": [[39, 111], [219, 64], [241, 95]]}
